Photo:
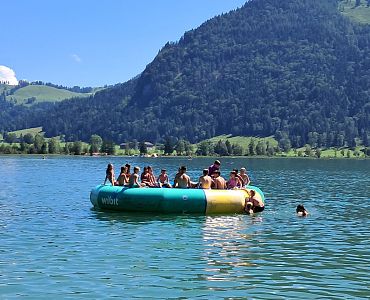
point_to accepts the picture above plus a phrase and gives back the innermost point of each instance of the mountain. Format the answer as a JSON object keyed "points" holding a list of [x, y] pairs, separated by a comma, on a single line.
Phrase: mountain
{"points": [[296, 69]]}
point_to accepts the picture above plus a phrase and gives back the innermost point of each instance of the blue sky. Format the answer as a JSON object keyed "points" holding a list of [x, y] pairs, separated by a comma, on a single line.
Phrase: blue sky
{"points": [[92, 43]]}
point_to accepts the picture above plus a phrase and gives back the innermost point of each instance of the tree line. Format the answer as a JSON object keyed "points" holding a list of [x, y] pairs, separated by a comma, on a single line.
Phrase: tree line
{"points": [[38, 144]]}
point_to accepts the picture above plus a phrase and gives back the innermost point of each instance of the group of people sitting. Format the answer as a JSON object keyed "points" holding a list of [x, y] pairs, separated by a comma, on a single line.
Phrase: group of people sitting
{"points": [[211, 178]]}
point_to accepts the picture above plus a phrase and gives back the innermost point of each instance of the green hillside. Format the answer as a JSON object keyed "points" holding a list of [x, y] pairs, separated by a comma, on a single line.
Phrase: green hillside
{"points": [[297, 70], [360, 13], [42, 93], [32, 131]]}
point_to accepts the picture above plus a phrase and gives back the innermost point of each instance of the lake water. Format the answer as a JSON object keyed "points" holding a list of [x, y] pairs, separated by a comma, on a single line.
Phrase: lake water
{"points": [[53, 245]]}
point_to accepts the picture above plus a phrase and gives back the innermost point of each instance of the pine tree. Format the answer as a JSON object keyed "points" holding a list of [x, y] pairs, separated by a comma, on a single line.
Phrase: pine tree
{"points": [[143, 148]]}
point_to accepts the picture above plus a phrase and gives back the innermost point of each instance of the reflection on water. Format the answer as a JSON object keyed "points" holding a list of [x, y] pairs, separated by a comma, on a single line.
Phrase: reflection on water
{"points": [[227, 246], [51, 237]]}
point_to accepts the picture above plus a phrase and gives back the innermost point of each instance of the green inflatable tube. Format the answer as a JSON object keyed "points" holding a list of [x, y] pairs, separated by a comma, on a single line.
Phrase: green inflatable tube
{"points": [[149, 199]]}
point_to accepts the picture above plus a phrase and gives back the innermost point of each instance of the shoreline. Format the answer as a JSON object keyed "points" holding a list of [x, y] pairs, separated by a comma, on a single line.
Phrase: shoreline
{"points": [[45, 156]]}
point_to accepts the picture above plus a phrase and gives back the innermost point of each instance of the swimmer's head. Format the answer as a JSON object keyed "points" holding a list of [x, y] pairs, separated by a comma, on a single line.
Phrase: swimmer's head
{"points": [[300, 208], [301, 211], [249, 208]]}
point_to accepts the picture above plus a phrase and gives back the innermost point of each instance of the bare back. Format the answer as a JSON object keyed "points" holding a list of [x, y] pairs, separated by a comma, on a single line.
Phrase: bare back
{"points": [[205, 182], [183, 181], [220, 183]]}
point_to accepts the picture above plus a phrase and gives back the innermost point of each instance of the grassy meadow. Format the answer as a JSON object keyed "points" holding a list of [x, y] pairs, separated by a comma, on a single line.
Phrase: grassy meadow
{"points": [[42, 93], [360, 14]]}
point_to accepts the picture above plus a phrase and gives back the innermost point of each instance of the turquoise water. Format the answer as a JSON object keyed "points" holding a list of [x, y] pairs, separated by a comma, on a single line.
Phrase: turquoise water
{"points": [[53, 245]]}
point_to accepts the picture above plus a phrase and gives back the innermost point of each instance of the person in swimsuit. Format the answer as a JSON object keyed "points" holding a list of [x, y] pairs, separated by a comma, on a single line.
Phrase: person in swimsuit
{"points": [[128, 171], [109, 174], [205, 181], [182, 180], [252, 204], [151, 178], [301, 211], [134, 179], [122, 179], [144, 177], [241, 180], [233, 182], [163, 180], [219, 182], [244, 176]]}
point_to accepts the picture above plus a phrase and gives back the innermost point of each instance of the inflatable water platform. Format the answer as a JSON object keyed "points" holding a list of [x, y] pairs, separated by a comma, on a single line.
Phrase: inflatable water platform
{"points": [[171, 200]]}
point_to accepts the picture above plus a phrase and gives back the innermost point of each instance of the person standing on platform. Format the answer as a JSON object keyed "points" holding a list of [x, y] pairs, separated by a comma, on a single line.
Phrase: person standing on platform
{"points": [[216, 166]]}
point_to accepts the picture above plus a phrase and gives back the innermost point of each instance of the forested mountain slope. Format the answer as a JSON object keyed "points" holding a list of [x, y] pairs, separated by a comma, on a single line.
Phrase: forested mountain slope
{"points": [[296, 69]]}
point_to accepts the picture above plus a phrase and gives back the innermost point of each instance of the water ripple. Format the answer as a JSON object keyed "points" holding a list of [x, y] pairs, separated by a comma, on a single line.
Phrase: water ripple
{"points": [[54, 245]]}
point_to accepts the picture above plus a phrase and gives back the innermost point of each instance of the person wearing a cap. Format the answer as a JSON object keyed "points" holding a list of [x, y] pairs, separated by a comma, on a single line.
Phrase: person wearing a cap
{"points": [[216, 166]]}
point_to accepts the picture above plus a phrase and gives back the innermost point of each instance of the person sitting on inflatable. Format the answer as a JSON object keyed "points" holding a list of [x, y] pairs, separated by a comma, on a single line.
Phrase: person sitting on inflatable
{"points": [[237, 175], [244, 175], [134, 179], [252, 204], [205, 181], [182, 180], [163, 180], [122, 178], [233, 182], [109, 174], [151, 178], [219, 182]]}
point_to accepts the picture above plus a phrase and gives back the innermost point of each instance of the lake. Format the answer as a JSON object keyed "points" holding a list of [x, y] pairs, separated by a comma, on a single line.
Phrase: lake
{"points": [[53, 245]]}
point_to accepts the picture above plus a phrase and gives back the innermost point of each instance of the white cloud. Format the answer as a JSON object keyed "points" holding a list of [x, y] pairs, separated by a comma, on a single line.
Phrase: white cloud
{"points": [[8, 75], [76, 58]]}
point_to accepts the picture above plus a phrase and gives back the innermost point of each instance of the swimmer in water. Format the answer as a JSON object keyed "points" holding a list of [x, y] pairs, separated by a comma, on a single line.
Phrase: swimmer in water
{"points": [[301, 211], [253, 204]]}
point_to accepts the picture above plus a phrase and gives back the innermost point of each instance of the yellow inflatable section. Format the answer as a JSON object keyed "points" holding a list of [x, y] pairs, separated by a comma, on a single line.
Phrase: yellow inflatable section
{"points": [[225, 201]]}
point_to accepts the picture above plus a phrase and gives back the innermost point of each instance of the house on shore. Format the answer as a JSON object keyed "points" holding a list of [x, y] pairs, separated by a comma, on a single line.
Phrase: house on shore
{"points": [[131, 145]]}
